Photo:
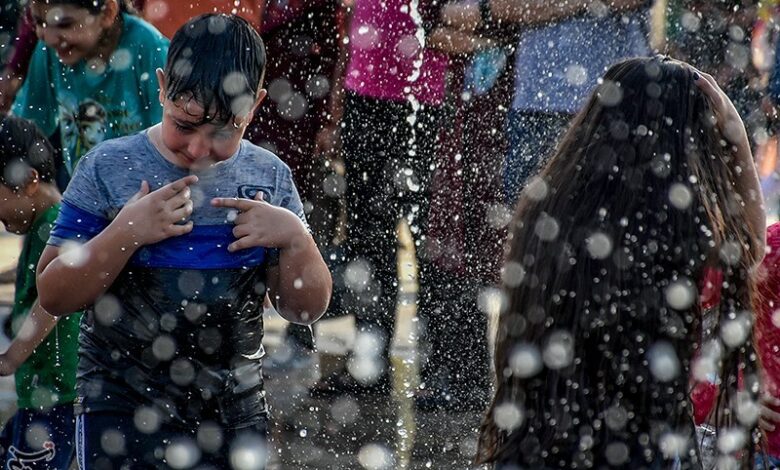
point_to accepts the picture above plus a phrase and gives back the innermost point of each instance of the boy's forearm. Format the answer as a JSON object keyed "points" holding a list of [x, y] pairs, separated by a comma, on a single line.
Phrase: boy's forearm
{"points": [[66, 286], [304, 284], [34, 330]]}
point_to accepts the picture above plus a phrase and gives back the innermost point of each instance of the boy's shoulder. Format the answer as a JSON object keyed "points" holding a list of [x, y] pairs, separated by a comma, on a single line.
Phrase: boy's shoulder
{"points": [[252, 154], [125, 150]]}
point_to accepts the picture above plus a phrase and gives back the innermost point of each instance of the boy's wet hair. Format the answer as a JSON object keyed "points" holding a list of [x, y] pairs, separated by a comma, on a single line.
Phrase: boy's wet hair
{"points": [[23, 147], [94, 6], [219, 61]]}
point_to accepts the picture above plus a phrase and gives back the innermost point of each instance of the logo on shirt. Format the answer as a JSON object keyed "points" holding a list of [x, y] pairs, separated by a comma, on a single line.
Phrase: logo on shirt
{"points": [[246, 191], [18, 460]]}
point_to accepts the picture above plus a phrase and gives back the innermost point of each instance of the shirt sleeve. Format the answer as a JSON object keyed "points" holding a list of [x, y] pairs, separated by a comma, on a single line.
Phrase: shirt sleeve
{"points": [[36, 100], [290, 200], [83, 212]]}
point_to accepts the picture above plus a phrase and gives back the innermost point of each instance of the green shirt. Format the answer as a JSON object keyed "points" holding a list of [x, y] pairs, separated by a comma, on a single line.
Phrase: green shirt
{"points": [[48, 377], [89, 106]]}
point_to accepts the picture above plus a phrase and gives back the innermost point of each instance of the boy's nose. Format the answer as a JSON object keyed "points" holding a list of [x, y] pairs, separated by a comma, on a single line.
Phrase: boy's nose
{"points": [[199, 147]]}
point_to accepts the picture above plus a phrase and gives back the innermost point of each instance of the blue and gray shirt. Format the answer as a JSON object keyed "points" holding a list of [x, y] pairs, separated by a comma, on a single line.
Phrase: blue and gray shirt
{"points": [[181, 327]]}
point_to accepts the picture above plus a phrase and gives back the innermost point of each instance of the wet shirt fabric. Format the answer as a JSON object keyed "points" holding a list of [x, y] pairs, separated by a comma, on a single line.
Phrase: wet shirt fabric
{"points": [[48, 377], [557, 65], [89, 105], [181, 327]]}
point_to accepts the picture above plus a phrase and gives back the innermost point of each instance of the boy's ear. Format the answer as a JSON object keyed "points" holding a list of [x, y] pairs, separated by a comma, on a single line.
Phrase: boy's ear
{"points": [[260, 97], [32, 184], [161, 81], [109, 13]]}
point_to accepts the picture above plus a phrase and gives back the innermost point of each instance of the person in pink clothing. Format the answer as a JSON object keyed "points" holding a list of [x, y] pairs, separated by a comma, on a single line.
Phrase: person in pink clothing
{"points": [[393, 90], [767, 332], [767, 339]]}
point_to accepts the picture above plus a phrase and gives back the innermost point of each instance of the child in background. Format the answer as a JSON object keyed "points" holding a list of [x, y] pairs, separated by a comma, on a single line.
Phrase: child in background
{"points": [[174, 275], [91, 77], [767, 333], [43, 353]]}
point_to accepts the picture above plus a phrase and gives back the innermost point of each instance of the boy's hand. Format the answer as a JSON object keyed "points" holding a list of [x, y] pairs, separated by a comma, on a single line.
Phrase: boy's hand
{"points": [[261, 224], [150, 217], [7, 366]]}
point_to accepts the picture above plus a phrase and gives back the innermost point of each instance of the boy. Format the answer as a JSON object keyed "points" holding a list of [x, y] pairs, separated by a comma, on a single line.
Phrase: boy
{"points": [[173, 276], [40, 435]]}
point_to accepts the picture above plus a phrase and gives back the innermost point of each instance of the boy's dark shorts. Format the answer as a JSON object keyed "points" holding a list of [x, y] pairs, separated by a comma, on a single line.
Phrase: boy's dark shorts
{"points": [[38, 439], [107, 440]]}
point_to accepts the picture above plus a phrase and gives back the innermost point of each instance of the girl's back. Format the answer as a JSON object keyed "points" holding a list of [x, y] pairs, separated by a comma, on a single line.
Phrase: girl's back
{"points": [[595, 344]]}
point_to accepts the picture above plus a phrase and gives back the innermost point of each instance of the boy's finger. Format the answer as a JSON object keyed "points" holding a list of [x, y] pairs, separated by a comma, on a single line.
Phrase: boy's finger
{"points": [[179, 230], [240, 244], [177, 201], [240, 231], [259, 196], [179, 185], [141, 192], [182, 213], [234, 203]]}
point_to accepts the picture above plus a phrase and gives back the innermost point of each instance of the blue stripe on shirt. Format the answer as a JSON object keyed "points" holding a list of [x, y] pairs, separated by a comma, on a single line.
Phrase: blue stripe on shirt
{"points": [[203, 248]]}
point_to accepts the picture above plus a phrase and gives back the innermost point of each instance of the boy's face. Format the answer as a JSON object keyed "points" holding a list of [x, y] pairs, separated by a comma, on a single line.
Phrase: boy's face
{"points": [[16, 210], [72, 32], [195, 146]]}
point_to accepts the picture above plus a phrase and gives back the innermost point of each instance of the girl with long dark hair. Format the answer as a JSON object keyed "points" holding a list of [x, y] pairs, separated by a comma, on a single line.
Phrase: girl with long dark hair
{"points": [[653, 184]]}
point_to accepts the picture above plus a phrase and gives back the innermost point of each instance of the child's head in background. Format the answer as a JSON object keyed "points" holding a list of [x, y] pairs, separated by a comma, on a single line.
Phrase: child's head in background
{"points": [[26, 174], [78, 29]]}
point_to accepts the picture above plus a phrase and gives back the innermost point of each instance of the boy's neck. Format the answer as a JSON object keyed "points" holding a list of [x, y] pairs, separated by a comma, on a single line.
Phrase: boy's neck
{"points": [[47, 196]]}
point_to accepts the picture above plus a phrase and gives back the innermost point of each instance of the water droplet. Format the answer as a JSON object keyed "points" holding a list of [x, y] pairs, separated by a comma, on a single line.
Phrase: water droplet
{"points": [[147, 419], [182, 453], [512, 274], [547, 228], [375, 457], [525, 361], [536, 189], [609, 93], [73, 254], [107, 309], [508, 416], [663, 360], [680, 196], [680, 294], [735, 331], [673, 445], [731, 440], [599, 245], [558, 350]]}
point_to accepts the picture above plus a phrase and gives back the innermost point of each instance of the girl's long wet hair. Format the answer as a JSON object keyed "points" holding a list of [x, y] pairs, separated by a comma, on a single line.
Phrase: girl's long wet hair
{"points": [[608, 247]]}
